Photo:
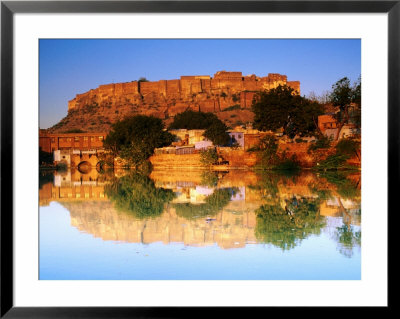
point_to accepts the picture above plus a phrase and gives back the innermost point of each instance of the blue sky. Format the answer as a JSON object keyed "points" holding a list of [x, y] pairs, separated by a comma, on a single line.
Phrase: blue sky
{"points": [[69, 67]]}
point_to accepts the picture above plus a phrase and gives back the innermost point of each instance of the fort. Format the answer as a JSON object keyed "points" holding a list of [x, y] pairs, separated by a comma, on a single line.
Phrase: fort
{"points": [[184, 89], [228, 94]]}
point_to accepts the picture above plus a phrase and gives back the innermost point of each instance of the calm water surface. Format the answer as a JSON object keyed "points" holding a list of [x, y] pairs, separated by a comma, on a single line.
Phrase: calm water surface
{"points": [[199, 225]]}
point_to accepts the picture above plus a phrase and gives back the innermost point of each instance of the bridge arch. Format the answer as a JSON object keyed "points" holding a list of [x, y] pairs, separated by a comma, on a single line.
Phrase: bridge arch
{"points": [[84, 167], [84, 162]]}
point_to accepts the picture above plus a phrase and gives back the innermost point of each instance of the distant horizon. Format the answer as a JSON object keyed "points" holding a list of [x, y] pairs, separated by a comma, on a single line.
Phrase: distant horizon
{"points": [[69, 67]]}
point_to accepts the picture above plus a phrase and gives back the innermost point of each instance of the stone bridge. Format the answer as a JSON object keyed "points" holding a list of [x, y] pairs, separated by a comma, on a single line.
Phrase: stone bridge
{"points": [[85, 162]]}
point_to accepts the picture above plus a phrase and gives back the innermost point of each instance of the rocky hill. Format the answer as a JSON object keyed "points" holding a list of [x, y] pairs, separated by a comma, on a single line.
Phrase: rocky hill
{"points": [[228, 94]]}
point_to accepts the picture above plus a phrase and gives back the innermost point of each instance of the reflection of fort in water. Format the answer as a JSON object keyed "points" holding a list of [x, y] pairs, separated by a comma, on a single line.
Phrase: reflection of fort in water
{"points": [[233, 226]]}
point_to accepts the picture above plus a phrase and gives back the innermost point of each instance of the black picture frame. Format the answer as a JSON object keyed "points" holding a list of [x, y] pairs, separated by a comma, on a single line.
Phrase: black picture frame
{"points": [[9, 8]]}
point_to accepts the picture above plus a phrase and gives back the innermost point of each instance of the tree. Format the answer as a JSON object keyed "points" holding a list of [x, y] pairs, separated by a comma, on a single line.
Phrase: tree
{"points": [[143, 79], [348, 99], [208, 157], [75, 130], [268, 146], [45, 158], [348, 147], [135, 138], [355, 113], [281, 108], [342, 93], [324, 98], [235, 98], [191, 120], [216, 133]]}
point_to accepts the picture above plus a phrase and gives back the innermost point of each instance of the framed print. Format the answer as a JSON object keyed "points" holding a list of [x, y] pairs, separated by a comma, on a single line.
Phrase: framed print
{"points": [[163, 155]]}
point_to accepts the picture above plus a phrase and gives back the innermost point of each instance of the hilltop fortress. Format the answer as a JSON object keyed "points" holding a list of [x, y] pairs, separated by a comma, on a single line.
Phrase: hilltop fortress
{"points": [[223, 94]]}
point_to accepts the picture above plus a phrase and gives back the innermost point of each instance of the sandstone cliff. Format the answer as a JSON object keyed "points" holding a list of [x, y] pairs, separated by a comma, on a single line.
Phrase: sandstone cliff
{"points": [[228, 94]]}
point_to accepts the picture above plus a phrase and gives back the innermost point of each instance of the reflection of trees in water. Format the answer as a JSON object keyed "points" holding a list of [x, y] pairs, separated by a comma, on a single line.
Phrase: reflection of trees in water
{"points": [[267, 185], [348, 238], [346, 188], [213, 204], [137, 194], [106, 175], [321, 189], [209, 178], [285, 228], [285, 223], [45, 176]]}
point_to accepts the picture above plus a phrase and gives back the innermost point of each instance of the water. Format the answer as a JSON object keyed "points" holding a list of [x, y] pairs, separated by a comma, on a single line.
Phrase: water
{"points": [[200, 225]]}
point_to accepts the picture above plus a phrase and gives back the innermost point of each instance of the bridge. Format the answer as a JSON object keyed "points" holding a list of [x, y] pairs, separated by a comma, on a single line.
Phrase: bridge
{"points": [[83, 160]]}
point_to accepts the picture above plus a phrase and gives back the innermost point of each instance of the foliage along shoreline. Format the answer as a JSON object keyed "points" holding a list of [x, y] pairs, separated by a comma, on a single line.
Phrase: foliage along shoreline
{"points": [[134, 139]]}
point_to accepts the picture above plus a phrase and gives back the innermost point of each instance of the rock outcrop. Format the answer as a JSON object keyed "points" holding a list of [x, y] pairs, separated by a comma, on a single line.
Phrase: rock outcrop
{"points": [[228, 94]]}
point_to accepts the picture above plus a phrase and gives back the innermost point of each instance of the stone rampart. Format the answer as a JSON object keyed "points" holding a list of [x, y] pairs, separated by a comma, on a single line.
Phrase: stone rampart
{"points": [[178, 161], [186, 89]]}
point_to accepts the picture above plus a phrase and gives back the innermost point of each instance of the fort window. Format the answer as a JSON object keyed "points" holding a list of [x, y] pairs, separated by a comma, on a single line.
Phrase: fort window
{"points": [[76, 139], [100, 138], [85, 138], [53, 140]]}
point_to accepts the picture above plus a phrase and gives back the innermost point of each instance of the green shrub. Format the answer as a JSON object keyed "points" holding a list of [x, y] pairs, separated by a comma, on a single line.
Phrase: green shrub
{"points": [[45, 157], [61, 167], [239, 123], [232, 108], [322, 143], [268, 146], [333, 162], [235, 98], [348, 147], [90, 108], [208, 157], [289, 164]]}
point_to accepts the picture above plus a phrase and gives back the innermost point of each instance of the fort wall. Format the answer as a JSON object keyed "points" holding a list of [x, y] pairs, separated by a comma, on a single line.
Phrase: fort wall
{"points": [[187, 89]]}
